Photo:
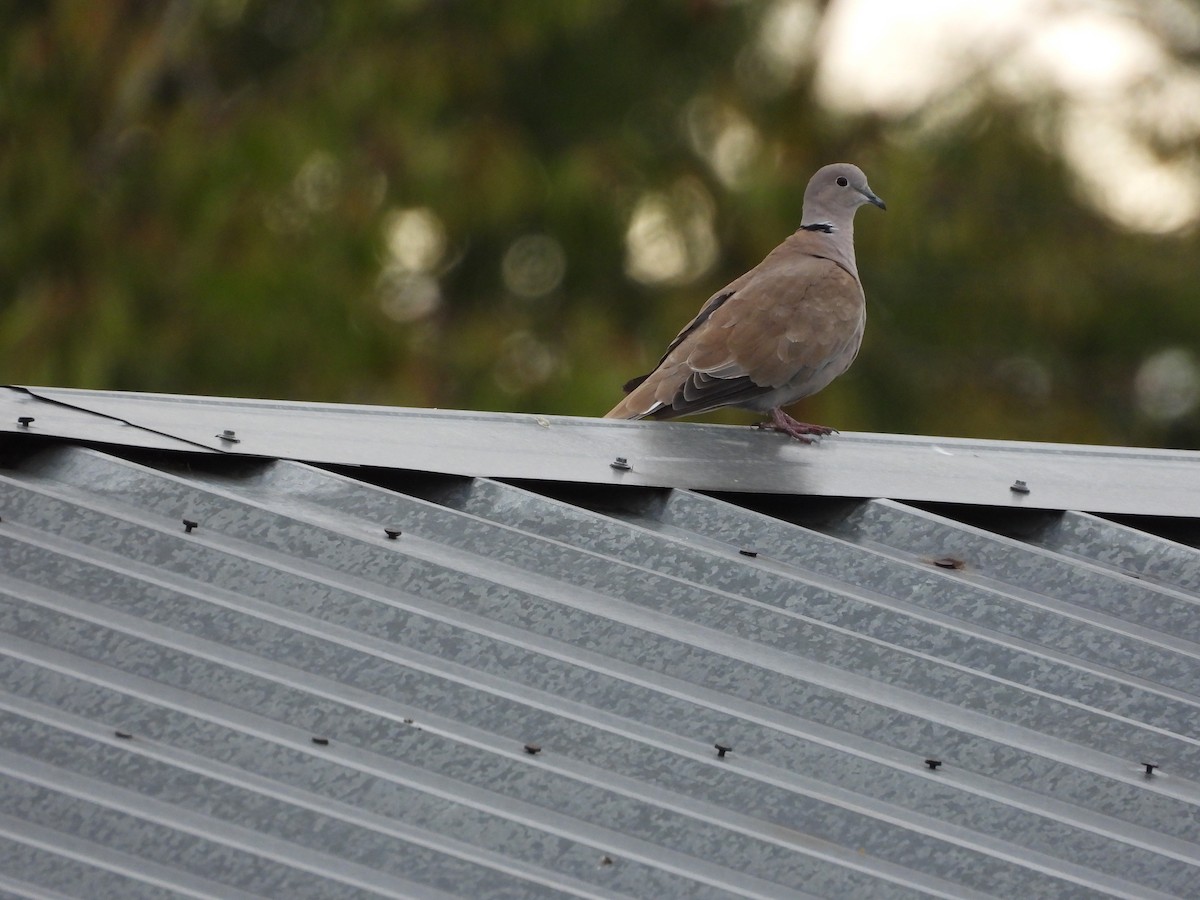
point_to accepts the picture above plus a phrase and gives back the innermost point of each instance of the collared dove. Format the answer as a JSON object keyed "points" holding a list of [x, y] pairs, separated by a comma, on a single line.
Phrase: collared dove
{"points": [[782, 331]]}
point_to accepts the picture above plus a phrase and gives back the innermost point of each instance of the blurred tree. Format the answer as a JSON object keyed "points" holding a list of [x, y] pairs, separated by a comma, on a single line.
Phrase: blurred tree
{"points": [[462, 203]]}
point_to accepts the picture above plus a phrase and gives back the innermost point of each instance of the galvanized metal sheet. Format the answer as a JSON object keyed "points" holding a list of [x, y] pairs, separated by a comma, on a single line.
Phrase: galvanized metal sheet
{"points": [[163, 685], [1123, 549], [679, 455]]}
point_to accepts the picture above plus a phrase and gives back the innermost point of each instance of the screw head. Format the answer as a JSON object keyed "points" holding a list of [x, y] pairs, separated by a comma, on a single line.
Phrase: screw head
{"points": [[25, 421], [392, 533], [188, 525], [750, 553], [1019, 487], [621, 464], [1150, 767], [321, 741], [722, 749], [933, 763], [123, 735], [533, 749], [230, 435]]}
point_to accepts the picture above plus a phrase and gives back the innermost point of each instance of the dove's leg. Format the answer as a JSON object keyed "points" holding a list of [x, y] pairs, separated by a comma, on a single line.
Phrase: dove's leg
{"points": [[801, 431]]}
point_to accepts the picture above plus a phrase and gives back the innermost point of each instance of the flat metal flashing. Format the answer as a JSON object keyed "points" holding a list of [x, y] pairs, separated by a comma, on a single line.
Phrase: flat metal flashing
{"points": [[1114, 480]]}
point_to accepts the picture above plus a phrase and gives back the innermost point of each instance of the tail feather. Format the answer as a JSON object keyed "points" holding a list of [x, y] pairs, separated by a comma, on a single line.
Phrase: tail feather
{"points": [[622, 411], [629, 386], [635, 405]]}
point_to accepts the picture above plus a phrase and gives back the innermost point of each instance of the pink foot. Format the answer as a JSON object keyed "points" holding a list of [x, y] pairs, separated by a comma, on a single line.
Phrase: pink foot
{"points": [[801, 431]]}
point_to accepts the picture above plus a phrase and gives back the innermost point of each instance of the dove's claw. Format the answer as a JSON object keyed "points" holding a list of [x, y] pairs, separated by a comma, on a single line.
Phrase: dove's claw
{"points": [[801, 431]]}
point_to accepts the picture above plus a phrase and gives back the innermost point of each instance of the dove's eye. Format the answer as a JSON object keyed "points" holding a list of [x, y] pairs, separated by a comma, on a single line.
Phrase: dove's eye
{"points": [[841, 180]]}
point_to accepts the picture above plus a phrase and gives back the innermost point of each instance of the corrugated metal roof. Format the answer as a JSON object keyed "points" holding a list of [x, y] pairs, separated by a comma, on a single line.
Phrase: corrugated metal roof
{"points": [[281, 699]]}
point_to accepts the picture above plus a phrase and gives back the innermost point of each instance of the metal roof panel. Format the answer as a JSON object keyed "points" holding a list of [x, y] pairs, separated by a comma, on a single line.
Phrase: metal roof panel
{"points": [[517, 691]]}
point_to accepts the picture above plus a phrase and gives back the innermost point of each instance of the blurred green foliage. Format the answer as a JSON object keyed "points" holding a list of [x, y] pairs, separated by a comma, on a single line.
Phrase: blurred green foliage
{"points": [[196, 197]]}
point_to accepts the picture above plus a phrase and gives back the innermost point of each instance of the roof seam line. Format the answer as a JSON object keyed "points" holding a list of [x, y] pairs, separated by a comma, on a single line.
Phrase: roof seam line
{"points": [[91, 412]]}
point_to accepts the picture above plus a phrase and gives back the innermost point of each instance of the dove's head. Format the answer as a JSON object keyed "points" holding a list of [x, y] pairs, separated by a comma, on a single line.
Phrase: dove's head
{"points": [[834, 193]]}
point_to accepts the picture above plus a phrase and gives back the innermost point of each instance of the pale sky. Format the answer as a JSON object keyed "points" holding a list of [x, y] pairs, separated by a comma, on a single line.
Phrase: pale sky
{"points": [[1121, 93]]}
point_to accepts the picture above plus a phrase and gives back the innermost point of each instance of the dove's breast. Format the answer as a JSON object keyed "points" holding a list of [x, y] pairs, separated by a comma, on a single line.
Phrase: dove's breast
{"points": [[818, 341]]}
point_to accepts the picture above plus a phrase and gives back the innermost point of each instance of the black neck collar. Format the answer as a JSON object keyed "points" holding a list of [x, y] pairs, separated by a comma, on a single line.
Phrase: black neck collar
{"points": [[818, 226]]}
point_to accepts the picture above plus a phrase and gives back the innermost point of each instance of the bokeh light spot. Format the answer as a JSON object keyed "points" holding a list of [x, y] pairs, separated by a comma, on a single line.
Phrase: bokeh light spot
{"points": [[416, 239], [533, 265], [670, 238], [524, 362], [407, 296], [318, 182], [785, 37], [1167, 385], [726, 139]]}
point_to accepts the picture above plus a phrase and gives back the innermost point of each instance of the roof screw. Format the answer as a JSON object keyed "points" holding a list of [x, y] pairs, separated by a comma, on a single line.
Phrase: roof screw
{"points": [[321, 741], [1150, 767], [933, 763], [1019, 487], [621, 464], [722, 749], [188, 525], [606, 860], [24, 421], [392, 533], [750, 553], [533, 749], [230, 435], [123, 735]]}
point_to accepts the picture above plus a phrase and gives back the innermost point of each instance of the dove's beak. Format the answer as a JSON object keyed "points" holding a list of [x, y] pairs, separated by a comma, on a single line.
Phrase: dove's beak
{"points": [[872, 198]]}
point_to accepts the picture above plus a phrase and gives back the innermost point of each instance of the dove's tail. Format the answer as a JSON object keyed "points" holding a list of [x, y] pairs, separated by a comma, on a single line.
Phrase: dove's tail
{"points": [[623, 411]]}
